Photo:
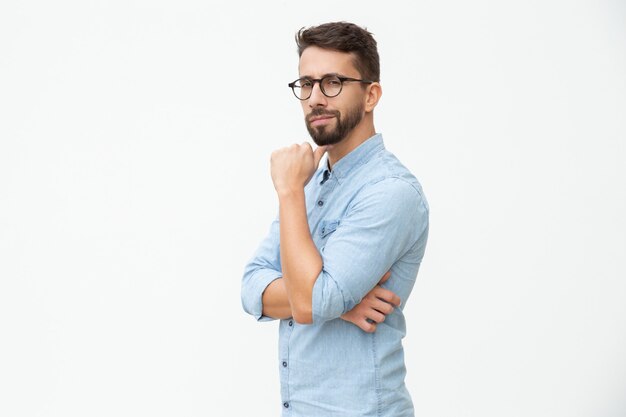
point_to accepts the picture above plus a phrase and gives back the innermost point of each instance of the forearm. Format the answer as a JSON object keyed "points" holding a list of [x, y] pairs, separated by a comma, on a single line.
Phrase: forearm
{"points": [[300, 259], [275, 300]]}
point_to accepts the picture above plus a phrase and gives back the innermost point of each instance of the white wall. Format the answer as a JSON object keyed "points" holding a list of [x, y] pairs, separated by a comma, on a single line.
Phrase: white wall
{"points": [[134, 185]]}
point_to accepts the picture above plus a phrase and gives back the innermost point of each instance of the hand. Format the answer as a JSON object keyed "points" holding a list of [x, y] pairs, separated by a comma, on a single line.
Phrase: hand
{"points": [[375, 306], [293, 167]]}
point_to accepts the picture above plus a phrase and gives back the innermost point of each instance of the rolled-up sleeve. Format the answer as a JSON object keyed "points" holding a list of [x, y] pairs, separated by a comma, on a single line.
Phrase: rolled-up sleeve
{"points": [[383, 223], [261, 270]]}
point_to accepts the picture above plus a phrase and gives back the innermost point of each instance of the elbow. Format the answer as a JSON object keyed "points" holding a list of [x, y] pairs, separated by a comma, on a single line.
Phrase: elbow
{"points": [[303, 315], [301, 303], [245, 303], [250, 301], [246, 306]]}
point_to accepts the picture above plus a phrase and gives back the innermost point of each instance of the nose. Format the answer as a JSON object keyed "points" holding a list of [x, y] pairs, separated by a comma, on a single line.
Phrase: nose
{"points": [[317, 97]]}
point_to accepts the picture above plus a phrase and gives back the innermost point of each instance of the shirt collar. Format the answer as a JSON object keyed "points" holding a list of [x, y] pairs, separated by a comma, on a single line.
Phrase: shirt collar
{"points": [[358, 156]]}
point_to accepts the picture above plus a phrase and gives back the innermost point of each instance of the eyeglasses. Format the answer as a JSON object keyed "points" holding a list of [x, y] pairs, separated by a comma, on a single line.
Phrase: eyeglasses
{"points": [[330, 85]]}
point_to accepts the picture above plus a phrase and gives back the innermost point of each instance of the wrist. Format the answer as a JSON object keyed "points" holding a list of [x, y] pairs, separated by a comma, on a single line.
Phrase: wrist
{"points": [[286, 193]]}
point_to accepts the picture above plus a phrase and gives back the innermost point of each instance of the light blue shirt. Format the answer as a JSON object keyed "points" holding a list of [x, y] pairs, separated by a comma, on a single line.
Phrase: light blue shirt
{"points": [[367, 216]]}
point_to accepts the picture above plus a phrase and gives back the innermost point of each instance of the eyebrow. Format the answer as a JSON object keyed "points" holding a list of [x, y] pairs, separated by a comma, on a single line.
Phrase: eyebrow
{"points": [[336, 74]]}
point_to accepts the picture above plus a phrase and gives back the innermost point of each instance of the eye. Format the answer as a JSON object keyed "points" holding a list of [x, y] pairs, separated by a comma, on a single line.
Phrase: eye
{"points": [[334, 82], [304, 83]]}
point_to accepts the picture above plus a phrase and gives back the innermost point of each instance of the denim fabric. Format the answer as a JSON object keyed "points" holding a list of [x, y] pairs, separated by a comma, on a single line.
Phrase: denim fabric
{"points": [[367, 216]]}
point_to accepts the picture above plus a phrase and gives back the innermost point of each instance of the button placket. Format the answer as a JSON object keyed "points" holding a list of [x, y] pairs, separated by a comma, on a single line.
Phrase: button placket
{"points": [[325, 189], [283, 365]]}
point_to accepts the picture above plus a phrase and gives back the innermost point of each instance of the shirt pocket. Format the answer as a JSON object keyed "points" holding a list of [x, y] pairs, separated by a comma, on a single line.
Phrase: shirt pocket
{"points": [[327, 227]]}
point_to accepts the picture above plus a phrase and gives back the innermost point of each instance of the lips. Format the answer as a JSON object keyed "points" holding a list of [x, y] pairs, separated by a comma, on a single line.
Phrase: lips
{"points": [[317, 120], [313, 119]]}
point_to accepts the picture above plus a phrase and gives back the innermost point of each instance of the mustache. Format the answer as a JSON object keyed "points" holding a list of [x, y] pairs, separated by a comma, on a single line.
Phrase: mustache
{"points": [[316, 112]]}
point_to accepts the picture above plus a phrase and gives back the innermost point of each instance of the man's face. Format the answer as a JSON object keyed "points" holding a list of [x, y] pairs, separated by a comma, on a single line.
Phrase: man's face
{"points": [[330, 119]]}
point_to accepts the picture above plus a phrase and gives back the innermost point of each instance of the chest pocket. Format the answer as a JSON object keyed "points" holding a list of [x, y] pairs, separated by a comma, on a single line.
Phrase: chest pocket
{"points": [[327, 227]]}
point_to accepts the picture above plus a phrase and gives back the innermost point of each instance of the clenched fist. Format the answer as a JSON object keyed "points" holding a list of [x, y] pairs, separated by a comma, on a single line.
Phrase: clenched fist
{"points": [[292, 167]]}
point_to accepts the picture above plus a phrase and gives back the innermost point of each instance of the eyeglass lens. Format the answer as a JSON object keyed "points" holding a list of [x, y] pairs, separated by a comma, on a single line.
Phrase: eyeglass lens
{"points": [[330, 85]]}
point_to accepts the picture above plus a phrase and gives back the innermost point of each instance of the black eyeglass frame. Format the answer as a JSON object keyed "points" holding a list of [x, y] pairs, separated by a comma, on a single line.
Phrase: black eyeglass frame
{"points": [[292, 85]]}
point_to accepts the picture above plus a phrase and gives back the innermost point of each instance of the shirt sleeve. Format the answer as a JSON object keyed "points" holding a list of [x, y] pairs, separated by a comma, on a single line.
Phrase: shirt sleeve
{"points": [[383, 223], [261, 270]]}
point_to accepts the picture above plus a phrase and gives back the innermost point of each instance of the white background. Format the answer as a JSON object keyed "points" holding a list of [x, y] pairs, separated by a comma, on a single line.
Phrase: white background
{"points": [[134, 185]]}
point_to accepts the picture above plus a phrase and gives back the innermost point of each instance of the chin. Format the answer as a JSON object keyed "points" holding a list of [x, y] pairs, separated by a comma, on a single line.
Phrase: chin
{"points": [[322, 139], [325, 142]]}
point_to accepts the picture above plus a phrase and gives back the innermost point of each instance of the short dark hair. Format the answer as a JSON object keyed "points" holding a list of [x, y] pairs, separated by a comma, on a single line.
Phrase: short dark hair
{"points": [[344, 37]]}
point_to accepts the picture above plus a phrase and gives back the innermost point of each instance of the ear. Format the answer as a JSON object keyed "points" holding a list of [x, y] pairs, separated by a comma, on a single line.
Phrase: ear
{"points": [[372, 95]]}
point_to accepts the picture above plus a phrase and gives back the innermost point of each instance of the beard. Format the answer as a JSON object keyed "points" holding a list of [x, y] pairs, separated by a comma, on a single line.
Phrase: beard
{"points": [[326, 135]]}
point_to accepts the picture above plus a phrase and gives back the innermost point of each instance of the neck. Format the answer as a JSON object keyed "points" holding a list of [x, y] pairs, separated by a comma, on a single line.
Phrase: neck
{"points": [[362, 132]]}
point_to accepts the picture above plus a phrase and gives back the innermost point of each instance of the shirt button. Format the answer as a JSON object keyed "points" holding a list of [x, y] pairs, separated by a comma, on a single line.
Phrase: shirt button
{"points": [[284, 364], [286, 404], [320, 203], [290, 322]]}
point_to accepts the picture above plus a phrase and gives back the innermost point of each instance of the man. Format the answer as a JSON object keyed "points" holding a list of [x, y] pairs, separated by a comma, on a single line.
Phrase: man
{"points": [[360, 217]]}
